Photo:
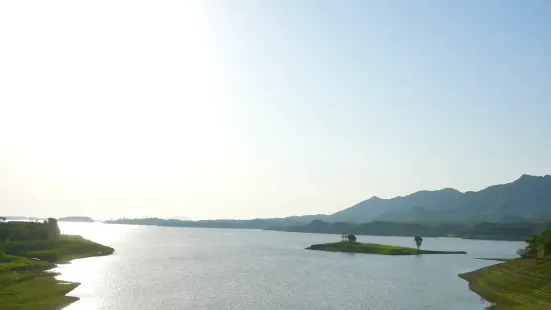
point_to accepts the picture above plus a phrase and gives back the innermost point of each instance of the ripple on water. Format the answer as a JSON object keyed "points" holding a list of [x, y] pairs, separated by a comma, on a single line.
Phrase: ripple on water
{"points": [[187, 268]]}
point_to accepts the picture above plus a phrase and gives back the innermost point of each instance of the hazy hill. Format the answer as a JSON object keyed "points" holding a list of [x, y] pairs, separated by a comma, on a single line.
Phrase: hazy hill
{"points": [[377, 208], [528, 198], [78, 219]]}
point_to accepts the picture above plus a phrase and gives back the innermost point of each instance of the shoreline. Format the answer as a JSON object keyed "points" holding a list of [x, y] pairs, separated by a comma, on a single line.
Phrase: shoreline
{"points": [[494, 259], [520, 283], [30, 283], [73, 284]]}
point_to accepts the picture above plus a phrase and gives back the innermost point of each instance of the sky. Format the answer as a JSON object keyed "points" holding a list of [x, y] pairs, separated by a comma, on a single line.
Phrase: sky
{"points": [[245, 108]]}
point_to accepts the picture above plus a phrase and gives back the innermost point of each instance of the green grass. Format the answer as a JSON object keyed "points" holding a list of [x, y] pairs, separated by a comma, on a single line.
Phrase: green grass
{"points": [[373, 248], [514, 284], [65, 248], [24, 284]]}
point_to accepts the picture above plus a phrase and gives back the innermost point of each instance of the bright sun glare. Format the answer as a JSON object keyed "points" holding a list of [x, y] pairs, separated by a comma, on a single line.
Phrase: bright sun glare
{"points": [[131, 101]]}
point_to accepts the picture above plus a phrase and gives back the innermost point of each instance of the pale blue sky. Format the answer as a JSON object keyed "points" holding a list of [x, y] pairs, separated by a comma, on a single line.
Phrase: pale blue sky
{"points": [[269, 108]]}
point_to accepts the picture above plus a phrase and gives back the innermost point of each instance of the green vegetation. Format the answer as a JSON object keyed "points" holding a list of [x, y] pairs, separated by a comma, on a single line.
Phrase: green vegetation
{"points": [[523, 283], [519, 231], [514, 284], [62, 249], [538, 246], [373, 248], [418, 241], [24, 284], [29, 249]]}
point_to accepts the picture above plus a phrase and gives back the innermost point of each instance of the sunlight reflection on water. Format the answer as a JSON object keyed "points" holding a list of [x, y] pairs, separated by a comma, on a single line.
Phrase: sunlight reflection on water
{"points": [[91, 271], [194, 268], [102, 233]]}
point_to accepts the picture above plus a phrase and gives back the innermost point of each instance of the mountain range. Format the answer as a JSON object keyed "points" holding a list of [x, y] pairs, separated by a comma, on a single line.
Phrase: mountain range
{"points": [[512, 211], [527, 198]]}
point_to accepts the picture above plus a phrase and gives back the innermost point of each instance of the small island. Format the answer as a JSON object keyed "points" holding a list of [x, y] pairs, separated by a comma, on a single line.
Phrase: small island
{"points": [[77, 219], [373, 248], [348, 244], [27, 251]]}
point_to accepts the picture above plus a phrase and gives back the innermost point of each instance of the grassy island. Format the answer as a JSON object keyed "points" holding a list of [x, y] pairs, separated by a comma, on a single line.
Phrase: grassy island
{"points": [[373, 248], [27, 251]]}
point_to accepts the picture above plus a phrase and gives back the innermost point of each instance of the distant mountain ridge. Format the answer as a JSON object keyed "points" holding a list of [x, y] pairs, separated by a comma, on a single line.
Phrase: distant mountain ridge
{"points": [[76, 219], [527, 198]]}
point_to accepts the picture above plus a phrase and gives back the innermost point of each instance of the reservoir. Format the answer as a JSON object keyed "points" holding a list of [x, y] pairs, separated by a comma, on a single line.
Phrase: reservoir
{"points": [[199, 268]]}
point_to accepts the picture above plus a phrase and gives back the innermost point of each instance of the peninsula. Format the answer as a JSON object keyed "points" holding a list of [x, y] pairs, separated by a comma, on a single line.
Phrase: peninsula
{"points": [[522, 283], [27, 250]]}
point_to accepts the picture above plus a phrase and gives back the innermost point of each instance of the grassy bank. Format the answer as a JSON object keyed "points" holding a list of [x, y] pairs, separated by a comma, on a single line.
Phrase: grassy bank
{"points": [[24, 284], [373, 248], [514, 284], [62, 249], [25, 258]]}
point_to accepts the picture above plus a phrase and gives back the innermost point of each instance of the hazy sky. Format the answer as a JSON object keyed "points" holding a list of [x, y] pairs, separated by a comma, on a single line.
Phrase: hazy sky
{"points": [[240, 109]]}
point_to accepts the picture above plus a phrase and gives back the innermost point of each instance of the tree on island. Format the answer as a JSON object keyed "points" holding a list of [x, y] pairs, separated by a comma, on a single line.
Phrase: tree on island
{"points": [[418, 242], [3, 219], [351, 238]]}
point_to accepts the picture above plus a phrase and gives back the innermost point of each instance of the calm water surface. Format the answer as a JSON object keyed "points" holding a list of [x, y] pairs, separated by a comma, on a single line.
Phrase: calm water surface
{"points": [[195, 268]]}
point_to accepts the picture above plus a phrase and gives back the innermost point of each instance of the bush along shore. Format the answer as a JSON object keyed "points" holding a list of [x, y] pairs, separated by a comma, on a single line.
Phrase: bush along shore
{"points": [[349, 245], [522, 283], [27, 251]]}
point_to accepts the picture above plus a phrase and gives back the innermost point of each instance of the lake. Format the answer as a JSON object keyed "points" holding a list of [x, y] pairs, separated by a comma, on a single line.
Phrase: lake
{"points": [[200, 268]]}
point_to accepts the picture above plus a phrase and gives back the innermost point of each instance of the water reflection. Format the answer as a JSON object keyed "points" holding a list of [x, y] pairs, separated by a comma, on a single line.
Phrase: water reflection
{"points": [[186, 268]]}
